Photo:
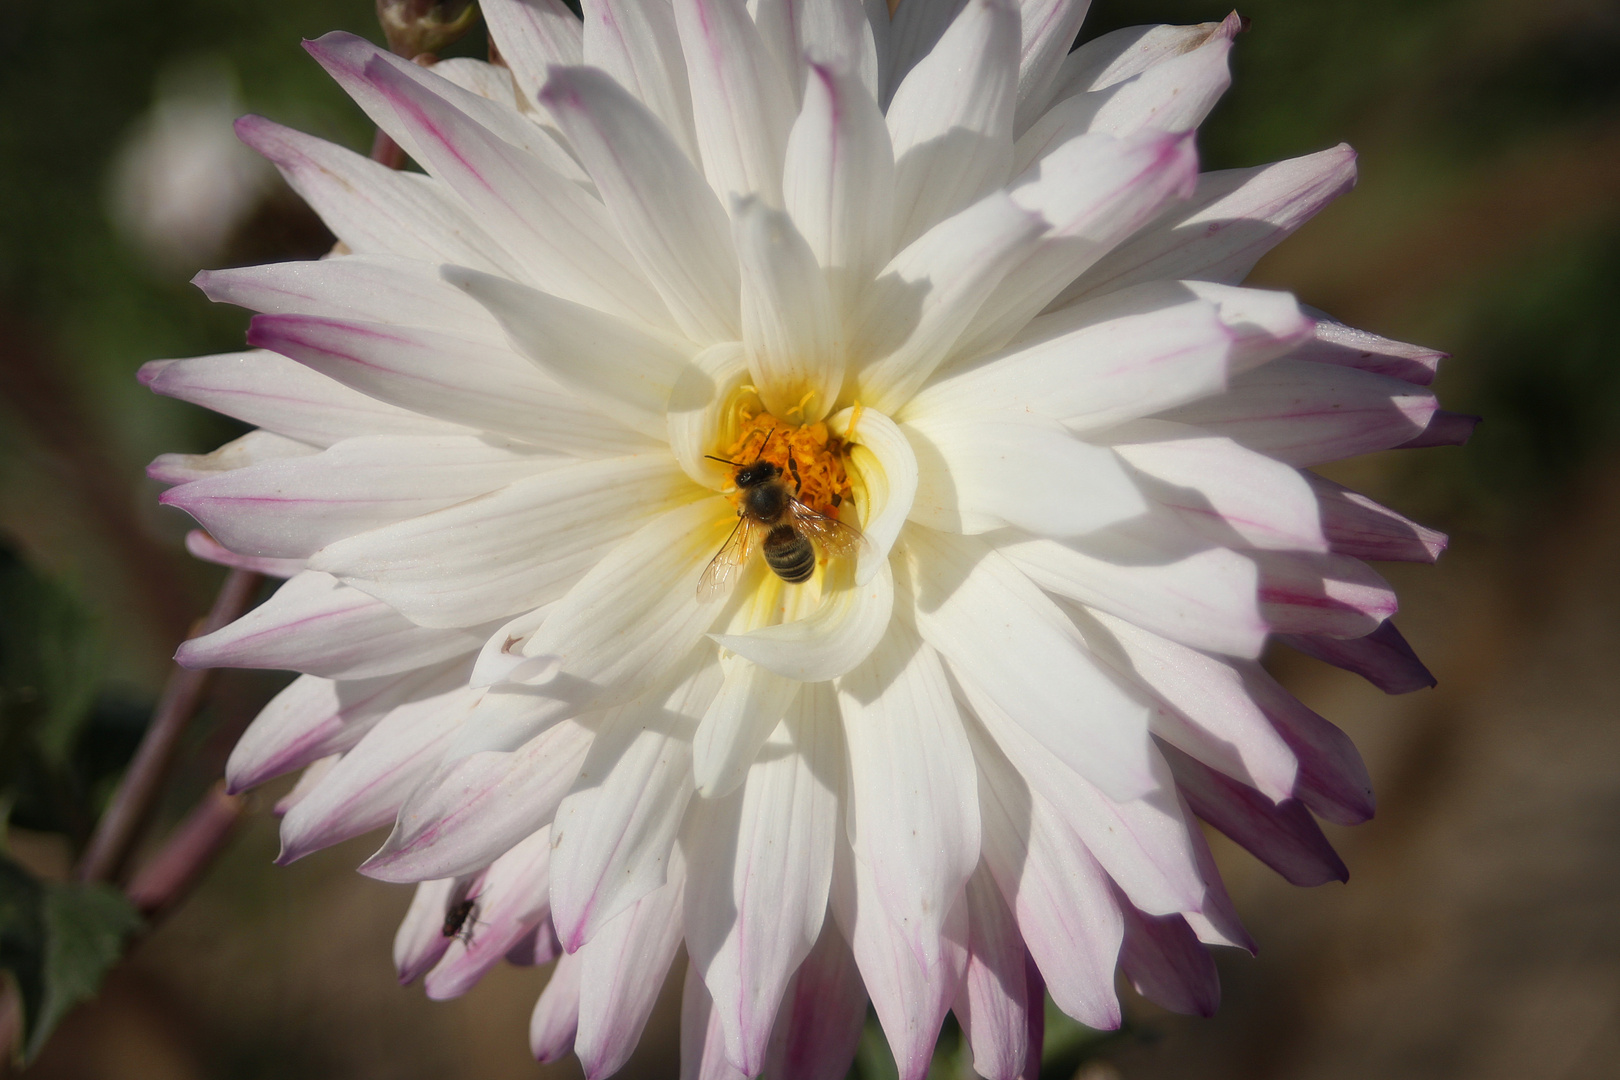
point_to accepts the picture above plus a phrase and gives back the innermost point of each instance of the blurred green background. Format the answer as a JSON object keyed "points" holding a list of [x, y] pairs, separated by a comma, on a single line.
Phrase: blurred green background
{"points": [[1477, 937]]}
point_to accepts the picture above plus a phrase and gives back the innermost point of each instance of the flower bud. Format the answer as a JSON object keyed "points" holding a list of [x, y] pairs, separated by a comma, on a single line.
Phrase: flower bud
{"points": [[414, 27]]}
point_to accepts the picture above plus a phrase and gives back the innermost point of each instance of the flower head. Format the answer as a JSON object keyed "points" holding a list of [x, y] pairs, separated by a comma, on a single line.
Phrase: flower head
{"points": [[953, 307]]}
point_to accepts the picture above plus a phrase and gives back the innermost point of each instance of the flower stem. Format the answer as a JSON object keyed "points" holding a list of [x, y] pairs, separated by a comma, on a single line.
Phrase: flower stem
{"points": [[168, 877], [120, 828]]}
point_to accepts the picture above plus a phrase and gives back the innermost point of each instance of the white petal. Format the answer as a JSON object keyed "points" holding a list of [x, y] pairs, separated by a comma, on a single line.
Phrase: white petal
{"points": [[1094, 365], [1121, 54], [741, 102], [910, 1000], [792, 335], [373, 209], [1205, 708], [466, 814], [1047, 32], [364, 790], [952, 119], [998, 630], [1065, 910], [532, 36], [205, 547], [509, 902], [613, 833], [1125, 355], [994, 1001], [622, 971], [292, 507], [1094, 191], [365, 288], [562, 238], [253, 448], [838, 634], [929, 293], [556, 1014], [819, 1024], [1144, 844], [915, 30], [751, 702], [510, 550], [273, 392], [1332, 595], [838, 182], [456, 379], [1221, 490], [703, 1040], [420, 940], [314, 717], [636, 613], [636, 41], [1234, 217], [761, 863], [319, 626], [624, 369], [1174, 95], [803, 33], [1306, 414], [914, 813], [1207, 598], [485, 93], [703, 414], [1333, 342], [668, 216], [1363, 529], [978, 473], [885, 473]]}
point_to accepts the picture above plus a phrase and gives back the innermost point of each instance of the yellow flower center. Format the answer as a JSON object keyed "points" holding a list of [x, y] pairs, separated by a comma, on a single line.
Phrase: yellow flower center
{"points": [[811, 458]]}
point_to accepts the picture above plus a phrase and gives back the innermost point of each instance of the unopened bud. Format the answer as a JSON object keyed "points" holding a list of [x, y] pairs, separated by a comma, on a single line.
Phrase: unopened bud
{"points": [[414, 27]]}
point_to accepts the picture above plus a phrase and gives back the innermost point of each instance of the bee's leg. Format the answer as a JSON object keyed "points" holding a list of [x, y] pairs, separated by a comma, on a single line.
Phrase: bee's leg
{"points": [[793, 467]]}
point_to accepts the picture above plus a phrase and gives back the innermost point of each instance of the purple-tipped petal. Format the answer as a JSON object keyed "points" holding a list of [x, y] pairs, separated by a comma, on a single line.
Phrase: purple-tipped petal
{"points": [[992, 1005], [511, 900], [1284, 836], [818, 1025], [1382, 657], [1166, 964], [1333, 780]]}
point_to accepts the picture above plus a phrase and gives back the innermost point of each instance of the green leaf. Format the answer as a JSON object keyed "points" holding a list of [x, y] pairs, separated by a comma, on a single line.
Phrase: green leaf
{"points": [[50, 661], [22, 935], [86, 927], [57, 943]]}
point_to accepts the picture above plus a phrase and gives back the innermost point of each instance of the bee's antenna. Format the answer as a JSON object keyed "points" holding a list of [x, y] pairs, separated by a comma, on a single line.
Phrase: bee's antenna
{"points": [[766, 445], [725, 461]]}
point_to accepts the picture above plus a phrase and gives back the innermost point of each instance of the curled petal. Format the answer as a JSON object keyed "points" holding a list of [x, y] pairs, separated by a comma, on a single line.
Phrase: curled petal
{"points": [[509, 901], [843, 629]]}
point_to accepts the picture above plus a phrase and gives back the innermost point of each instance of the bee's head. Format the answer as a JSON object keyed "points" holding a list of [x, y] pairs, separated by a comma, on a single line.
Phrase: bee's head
{"points": [[756, 473]]}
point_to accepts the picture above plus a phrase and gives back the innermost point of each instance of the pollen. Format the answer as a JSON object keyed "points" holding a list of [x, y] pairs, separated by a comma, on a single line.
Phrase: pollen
{"points": [[811, 457]]}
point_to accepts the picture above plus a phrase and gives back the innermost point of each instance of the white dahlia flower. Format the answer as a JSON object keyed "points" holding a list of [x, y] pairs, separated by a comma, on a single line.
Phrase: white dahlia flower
{"points": [[936, 279]]}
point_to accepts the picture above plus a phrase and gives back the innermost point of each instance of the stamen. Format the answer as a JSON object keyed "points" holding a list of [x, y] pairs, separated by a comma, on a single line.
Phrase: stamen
{"points": [[811, 456]]}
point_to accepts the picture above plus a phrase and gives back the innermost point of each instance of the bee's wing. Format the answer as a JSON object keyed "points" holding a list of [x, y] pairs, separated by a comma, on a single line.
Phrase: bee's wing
{"points": [[721, 573], [833, 535]]}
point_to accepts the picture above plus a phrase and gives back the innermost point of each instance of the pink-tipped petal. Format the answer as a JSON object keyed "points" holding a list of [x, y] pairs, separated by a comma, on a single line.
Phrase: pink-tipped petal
{"points": [[1361, 528], [1333, 596], [622, 970], [473, 809], [319, 626], [1333, 780], [993, 1004], [208, 549], [556, 1015], [511, 900]]}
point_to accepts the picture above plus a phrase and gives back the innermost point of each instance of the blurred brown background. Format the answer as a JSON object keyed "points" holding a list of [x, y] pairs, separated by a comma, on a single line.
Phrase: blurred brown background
{"points": [[1479, 935]]}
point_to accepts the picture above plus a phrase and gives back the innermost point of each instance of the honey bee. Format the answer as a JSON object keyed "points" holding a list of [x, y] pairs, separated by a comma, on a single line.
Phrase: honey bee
{"points": [[771, 515]]}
